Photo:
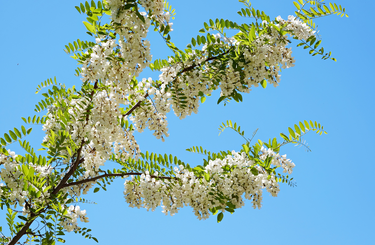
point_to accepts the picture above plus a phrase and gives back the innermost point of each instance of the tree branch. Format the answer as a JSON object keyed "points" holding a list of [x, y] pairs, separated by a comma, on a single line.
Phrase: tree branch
{"points": [[71, 171], [135, 106], [78, 161], [112, 175], [189, 68]]}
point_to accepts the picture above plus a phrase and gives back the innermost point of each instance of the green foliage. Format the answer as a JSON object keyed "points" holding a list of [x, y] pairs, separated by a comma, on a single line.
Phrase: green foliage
{"points": [[35, 120], [236, 128], [309, 10], [296, 134], [13, 136], [63, 152], [312, 43], [78, 46], [46, 83], [152, 162]]}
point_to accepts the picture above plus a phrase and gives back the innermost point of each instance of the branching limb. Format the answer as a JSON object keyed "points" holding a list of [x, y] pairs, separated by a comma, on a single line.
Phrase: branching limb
{"points": [[61, 184], [113, 175]]}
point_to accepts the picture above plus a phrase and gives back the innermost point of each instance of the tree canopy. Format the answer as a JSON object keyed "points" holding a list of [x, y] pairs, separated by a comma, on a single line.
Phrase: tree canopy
{"points": [[92, 123]]}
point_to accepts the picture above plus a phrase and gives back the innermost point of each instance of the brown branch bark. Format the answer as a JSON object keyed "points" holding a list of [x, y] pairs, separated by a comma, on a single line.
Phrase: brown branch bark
{"points": [[189, 68], [111, 175], [75, 165], [135, 106], [61, 184]]}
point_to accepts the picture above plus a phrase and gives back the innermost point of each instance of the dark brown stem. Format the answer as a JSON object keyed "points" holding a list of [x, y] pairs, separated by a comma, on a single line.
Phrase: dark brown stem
{"points": [[189, 68], [75, 165], [135, 106], [71, 171], [112, 175]]}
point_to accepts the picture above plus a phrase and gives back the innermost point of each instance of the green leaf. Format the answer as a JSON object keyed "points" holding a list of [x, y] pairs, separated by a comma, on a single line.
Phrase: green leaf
{"points": [[263, 83], [252, 33], [203, 99], [291, 132], [7, 138], [22, 217], [302, 126], [87, 5], [82, 8], [254, 171], [193, 42], [297, 5], [220, 217], [298, 131], [13, 135], [307, 124], [246, 148], [18, 133], [221, 99], [79, 11], [284, 137], [89, 27], [96, 189], [206, 177]]}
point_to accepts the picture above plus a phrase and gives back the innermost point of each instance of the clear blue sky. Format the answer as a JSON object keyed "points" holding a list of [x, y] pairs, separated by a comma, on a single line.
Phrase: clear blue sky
{"points": [[334, 200]]}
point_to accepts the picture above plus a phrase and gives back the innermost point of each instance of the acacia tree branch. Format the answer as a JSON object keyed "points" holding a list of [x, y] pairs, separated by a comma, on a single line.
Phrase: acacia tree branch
{"points": [[61, 184], [135, 106], [112, 175], [78, 161], [189, 68]]}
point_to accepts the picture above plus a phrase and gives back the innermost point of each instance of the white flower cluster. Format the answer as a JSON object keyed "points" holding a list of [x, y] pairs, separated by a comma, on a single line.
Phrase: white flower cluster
{"points": [[13, 177], [117, 64], [11, 174], [277, 160], [300, 29], [106, 134], [262, 61], [188, 190], [153, 113], [157, 9], [74, 213], [190, 84], [101, 130]]}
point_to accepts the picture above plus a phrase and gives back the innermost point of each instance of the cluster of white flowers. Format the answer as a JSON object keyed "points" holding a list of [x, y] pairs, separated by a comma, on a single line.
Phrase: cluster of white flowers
{"points": [[153, 113], [116, 64], [188, 190], [101, 130], [278, 160], [262, 61], [74, 213], [13, 177], [300, 29], [106, 135]]}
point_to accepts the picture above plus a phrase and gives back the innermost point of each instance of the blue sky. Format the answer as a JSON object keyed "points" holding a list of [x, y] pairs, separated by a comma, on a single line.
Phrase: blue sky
{"points": [[334, 198]]}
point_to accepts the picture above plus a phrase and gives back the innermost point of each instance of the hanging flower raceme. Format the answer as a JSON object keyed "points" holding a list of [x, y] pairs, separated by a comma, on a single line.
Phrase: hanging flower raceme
{"points": [[225, 180]]}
